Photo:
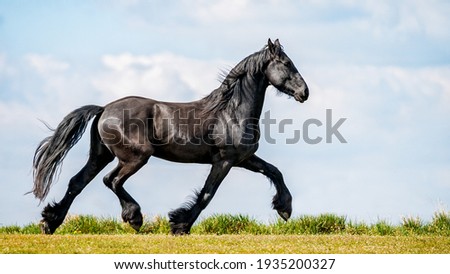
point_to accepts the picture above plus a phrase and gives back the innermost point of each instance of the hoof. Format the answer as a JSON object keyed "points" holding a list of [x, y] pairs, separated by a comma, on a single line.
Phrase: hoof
{"points": [[136, 223], [45, 228], [52, 217], [180, 229], [179, 223], [283, 206], [284, 215], [133, 216]]}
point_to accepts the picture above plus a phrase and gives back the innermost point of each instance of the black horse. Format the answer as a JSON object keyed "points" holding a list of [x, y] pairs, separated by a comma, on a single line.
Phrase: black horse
{"points": [[221, 129]]}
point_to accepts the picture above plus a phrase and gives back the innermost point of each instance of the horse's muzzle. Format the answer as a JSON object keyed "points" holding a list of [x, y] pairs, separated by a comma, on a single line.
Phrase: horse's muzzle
{"points": [[303, 95]]}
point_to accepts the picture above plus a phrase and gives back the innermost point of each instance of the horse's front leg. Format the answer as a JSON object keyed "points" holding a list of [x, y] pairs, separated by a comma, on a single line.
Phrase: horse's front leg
{"points": [[182, 219], [282, 201]]}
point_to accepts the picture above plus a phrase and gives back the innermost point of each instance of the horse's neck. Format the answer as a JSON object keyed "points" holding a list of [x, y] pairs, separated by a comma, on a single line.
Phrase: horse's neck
{"points": [[252, 94]]}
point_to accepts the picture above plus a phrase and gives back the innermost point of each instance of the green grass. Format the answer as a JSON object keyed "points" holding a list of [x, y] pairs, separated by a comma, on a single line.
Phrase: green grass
{"points": [[324, 224], [326, 233]]}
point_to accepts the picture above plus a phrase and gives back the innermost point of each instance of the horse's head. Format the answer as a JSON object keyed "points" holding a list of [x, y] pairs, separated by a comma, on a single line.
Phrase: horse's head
{"points": [[283, 74]]}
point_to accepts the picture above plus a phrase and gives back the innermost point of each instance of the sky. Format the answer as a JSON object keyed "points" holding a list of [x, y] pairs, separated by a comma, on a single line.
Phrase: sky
{"points": [[383, 67]]}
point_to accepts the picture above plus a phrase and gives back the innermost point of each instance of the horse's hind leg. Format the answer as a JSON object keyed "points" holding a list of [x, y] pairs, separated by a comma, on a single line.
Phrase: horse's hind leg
{"points": [[54, 214], [282, 201], [131, 211]]}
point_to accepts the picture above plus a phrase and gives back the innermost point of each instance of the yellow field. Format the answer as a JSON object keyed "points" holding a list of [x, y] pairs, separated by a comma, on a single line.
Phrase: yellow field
{"points": [[247, 244]]}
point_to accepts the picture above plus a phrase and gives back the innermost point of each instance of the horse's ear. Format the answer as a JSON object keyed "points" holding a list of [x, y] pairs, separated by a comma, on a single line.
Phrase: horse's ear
{"points": [[270, 45], [277, 43], [274, 48]]}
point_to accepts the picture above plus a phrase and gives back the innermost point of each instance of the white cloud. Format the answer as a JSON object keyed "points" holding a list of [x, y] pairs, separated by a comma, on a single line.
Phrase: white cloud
{"points": [[408, 17], [222, 10], [338, 32], [52, 83], [45, 64], [161, 76]]}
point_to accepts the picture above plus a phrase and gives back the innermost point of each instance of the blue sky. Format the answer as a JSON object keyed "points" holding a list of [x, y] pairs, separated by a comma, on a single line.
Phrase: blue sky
{"points": [[383, 65]]}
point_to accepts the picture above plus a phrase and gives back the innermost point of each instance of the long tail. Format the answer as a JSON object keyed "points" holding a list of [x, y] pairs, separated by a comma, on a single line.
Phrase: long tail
{"points": [[51, 151]]}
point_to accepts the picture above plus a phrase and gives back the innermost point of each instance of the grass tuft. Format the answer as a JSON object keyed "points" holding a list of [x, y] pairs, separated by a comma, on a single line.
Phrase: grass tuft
{"points": [[383, 228], [440, 223], [159, 225], [307, 224], [228, 224], [412, 226], [88, 224]]}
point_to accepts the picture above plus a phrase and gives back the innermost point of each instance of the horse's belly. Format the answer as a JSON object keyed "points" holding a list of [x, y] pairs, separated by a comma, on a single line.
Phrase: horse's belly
{"points": [[184, 153]]}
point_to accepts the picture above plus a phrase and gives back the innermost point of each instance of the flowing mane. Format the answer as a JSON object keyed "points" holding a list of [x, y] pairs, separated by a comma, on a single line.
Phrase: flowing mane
{"points": [[230, 90]]}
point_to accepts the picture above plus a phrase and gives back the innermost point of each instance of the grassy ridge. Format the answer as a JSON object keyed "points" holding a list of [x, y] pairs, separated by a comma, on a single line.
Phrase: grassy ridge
{"points": [[324, 224]]}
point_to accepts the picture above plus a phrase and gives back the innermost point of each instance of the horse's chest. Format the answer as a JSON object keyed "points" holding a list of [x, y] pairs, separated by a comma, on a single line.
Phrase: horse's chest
{"points": [[235, 139]]}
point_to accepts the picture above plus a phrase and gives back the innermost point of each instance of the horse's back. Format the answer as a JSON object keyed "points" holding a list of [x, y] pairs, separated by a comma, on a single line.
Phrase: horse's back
{"points": [[172, 131]]}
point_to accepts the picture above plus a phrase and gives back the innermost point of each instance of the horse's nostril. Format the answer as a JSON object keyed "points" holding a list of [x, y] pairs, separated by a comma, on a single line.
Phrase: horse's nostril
{"points": [[306, 93]]}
